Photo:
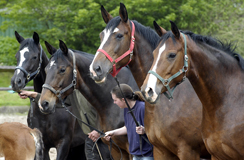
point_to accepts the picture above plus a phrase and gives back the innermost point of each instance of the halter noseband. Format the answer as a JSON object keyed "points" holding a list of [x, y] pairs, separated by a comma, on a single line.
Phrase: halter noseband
{"points": [[130, 51], [167, 81], [31, 76], [73, 83]]}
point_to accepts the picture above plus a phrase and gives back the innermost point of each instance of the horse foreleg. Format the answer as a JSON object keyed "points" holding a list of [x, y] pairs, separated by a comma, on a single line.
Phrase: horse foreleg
{"points": [[163, 154], [187, 153], [63, 149], [46, 153]]}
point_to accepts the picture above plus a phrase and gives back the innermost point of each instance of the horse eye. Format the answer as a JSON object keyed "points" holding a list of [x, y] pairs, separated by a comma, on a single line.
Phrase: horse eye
{"points": [[171, 55], [62, 70], [34, 57], [118, 36]]}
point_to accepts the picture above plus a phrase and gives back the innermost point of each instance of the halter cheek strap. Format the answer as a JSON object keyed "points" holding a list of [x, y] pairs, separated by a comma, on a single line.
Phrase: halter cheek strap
{"points": [[130, 51], [166, 82], [59, 93]]}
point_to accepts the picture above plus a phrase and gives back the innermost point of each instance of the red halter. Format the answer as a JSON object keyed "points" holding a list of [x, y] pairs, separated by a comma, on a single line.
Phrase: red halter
{"points": [[130, 51]]}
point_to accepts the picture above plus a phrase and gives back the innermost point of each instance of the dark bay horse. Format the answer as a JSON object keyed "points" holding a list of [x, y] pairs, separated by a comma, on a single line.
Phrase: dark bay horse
{"points": [[61, 70], [173, 127], [67, 137], [18, 141], [216, 73]]}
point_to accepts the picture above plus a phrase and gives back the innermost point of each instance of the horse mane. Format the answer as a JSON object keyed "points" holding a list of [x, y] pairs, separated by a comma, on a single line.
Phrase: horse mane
{"points": [[59, 54], [28, 42], [149, 34], [228, 48]]}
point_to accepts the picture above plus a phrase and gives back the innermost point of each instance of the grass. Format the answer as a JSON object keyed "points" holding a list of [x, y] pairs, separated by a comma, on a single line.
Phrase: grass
{"points": [[7, 98], [12, 99]]}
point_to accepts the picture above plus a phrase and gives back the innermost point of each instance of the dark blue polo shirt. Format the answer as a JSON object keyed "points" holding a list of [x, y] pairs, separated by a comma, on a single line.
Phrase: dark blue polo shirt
{"points": [[133, 137]]}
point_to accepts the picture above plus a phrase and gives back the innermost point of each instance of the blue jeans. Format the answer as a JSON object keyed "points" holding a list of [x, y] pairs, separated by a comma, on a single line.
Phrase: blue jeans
{"points": [[142, 158]]}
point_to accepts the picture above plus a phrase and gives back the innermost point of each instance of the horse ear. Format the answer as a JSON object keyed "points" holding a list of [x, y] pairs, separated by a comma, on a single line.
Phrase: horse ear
{"points": [[50, 48], [18, 37], [106, 16], [36, 38], [123, 13], [175, 30], [63, 47], [161, 31]]}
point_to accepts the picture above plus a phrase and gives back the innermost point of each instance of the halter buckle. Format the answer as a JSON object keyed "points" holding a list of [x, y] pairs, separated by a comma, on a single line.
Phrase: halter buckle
{"points": [[131, 54], [28, 76], [75, 72], [166, 82], [186, 58], [58, 94], [74, 82]]}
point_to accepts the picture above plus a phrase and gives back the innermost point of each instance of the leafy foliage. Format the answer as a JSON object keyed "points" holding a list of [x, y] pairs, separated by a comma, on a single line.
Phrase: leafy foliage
{"points": [[9, 47], [78, 22]]}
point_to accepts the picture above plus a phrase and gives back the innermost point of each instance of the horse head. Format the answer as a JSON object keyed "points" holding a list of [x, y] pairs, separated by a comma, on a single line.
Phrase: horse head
{"points": [[116, 39], [29, 59], [60, 79], [169, 66]]}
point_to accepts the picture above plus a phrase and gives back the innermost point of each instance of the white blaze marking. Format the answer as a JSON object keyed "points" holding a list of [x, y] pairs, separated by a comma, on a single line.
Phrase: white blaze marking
{"points": [[116, 30], [22, 57], [106, 34], [151, 83], [52, 63]]}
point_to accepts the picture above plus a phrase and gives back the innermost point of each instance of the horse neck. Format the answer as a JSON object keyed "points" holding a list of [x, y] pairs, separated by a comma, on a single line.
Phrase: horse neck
{"points": [[142, 59], [209, 74], [40, 78], [95, 94]]}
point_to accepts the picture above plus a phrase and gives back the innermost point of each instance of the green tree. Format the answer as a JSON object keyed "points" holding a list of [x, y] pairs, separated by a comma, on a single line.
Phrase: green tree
{"points": [[228, 26], [79, 22]]}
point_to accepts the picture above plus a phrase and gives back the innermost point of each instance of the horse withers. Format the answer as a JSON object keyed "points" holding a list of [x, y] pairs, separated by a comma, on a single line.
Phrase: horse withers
{"points": [[59, 130], [216, 73], [18, 141]]}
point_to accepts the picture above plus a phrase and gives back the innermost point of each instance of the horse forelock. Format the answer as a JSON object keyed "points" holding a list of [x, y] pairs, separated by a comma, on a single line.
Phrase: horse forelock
{"points": [[30, 44], [113, 23], [149, 34]]}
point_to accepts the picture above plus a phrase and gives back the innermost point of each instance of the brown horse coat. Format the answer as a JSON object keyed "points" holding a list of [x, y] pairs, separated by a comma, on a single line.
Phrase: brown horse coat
{"points": [[19, 142]]}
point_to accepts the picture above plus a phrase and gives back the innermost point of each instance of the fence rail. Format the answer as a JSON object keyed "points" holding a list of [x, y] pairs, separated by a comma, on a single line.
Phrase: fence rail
{"points": [[7, 68]]}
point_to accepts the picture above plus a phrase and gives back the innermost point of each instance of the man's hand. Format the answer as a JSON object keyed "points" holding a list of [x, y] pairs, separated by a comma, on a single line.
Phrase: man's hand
{"points": [[94, 135]]}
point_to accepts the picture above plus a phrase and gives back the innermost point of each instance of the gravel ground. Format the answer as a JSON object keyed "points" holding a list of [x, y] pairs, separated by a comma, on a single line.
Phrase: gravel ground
{"points": [[22, 119]]}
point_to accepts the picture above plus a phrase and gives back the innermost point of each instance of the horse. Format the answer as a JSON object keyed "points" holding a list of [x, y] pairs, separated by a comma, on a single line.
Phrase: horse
{"points": [[18, 141], [216, 73], [161, 118], [67, 137], [67, 67]]}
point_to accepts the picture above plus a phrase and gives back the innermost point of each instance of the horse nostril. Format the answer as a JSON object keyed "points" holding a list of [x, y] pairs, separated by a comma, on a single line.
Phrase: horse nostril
{"points": [[18, 81], [150, 92], [45, 105], [98, 69]]}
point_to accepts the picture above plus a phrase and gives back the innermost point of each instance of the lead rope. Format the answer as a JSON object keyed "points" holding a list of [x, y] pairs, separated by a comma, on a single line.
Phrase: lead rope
{"points": [[102, 134], [136, 122]]}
